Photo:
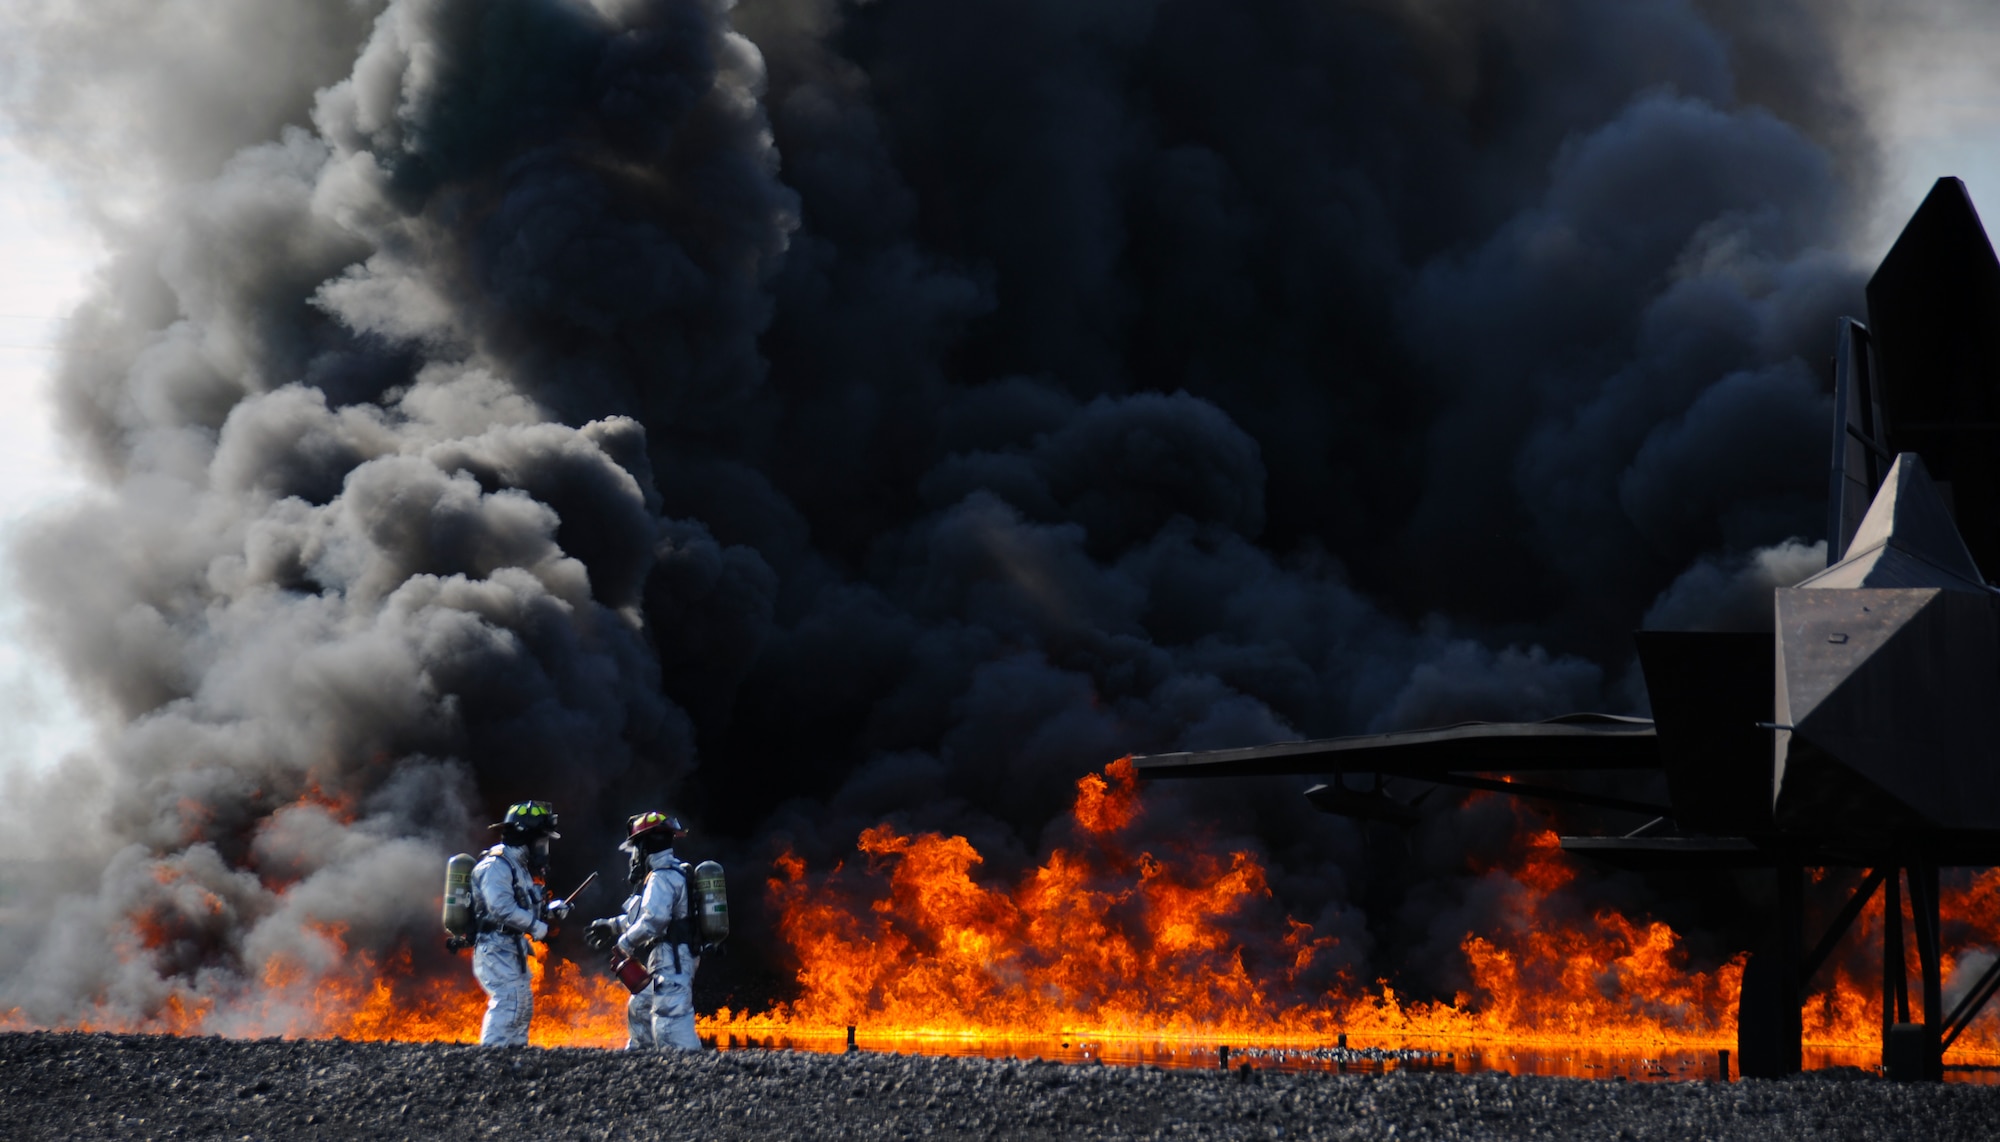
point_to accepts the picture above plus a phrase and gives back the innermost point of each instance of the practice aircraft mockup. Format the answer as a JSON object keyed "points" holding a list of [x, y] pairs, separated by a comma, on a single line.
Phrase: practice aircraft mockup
{"points": [[1862, 733]]}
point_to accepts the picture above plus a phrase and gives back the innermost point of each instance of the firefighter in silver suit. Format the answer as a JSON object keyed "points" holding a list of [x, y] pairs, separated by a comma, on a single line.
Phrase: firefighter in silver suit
{"points": [[658, 930], [510, 908]]}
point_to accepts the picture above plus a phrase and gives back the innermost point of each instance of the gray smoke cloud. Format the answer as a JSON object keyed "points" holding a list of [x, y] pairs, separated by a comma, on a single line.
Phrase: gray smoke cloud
{"points": [[820, 412]]}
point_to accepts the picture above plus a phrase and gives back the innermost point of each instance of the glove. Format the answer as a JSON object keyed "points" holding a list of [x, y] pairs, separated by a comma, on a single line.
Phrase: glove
{"points": [[601, 936], [556, 909]]}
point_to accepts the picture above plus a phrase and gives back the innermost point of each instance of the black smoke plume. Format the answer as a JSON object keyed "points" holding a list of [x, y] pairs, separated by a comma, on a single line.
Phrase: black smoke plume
{"points": [[813, 413]]}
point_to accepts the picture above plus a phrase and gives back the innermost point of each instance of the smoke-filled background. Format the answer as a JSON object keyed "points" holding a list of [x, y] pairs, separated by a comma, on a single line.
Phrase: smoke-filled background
{"points": [[809, 413]]}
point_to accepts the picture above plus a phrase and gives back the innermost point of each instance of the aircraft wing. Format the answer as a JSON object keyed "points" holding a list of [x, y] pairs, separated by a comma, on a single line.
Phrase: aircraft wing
{"points": [[1569, 743]]}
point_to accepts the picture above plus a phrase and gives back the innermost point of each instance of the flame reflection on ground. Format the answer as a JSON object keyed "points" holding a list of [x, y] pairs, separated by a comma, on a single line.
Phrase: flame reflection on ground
{"points": [[1667, 1064]]}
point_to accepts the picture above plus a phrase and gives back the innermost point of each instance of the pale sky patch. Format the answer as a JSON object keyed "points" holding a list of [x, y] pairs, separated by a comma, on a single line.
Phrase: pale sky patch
{"points": [[1926, 77], [46, 256]]}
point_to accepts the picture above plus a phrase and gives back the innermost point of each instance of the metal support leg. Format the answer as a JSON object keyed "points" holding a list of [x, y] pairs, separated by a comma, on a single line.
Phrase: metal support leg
{"points": [[1769, 1024], [1924, 905], [1912, 1052]]}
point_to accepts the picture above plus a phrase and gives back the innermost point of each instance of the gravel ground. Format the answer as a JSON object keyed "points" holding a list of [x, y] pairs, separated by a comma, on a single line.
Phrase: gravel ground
{"points": [[126, 1086]]}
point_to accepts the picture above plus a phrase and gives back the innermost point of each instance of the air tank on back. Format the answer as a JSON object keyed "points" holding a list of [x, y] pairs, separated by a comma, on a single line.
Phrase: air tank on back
{"points": [[458, 900], [712, 902]]}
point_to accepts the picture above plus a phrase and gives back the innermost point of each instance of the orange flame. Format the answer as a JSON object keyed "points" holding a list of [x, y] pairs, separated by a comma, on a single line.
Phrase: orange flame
{"points": [[1104, 942], [322, 988], [1104, 938], [1094, 936], [334, 992]]}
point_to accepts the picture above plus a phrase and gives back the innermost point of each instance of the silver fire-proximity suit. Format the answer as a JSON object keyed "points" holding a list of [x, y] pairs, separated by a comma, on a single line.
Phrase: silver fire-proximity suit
{"points": [[508, 904], [659, 933]]}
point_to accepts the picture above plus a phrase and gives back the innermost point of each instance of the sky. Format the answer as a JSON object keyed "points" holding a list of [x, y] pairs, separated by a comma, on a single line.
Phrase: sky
{"points": [[49, 254], [1927, 84], [1927, 81]]}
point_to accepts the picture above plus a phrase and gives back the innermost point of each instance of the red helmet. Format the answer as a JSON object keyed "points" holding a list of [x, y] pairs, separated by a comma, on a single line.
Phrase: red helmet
{"points": [[654, 829]]}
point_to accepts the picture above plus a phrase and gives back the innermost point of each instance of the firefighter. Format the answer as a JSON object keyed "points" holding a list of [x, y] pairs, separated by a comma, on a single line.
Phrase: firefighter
{"points": [[657, 930], [510, 908]]}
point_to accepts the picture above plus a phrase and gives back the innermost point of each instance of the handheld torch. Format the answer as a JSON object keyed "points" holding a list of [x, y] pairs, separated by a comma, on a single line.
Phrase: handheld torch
{"points": [[578, 890]]}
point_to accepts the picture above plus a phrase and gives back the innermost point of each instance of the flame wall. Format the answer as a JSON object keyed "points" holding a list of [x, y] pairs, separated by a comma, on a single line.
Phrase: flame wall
{"points": [[1103, 941]]}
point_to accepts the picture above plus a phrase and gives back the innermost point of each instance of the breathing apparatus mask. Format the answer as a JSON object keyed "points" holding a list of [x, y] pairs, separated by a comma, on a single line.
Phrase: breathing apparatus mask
{"points": [[530, 825], [647, 834]]}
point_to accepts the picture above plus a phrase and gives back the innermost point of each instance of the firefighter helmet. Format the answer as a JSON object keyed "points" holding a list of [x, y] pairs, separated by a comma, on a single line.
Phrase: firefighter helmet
{"points": [[654, 830], [526, 820]]}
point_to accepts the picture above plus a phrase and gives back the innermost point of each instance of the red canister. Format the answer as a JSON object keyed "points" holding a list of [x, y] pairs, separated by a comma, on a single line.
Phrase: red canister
{"points": [[631, 972]]}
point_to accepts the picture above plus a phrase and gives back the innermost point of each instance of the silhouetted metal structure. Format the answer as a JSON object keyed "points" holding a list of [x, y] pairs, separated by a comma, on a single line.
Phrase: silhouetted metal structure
{"points": [[1861, 734]]}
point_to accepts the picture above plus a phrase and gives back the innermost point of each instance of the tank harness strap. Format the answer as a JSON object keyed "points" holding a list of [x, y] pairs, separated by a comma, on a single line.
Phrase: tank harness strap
{"points": [[679, 930], [485, 922]]}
